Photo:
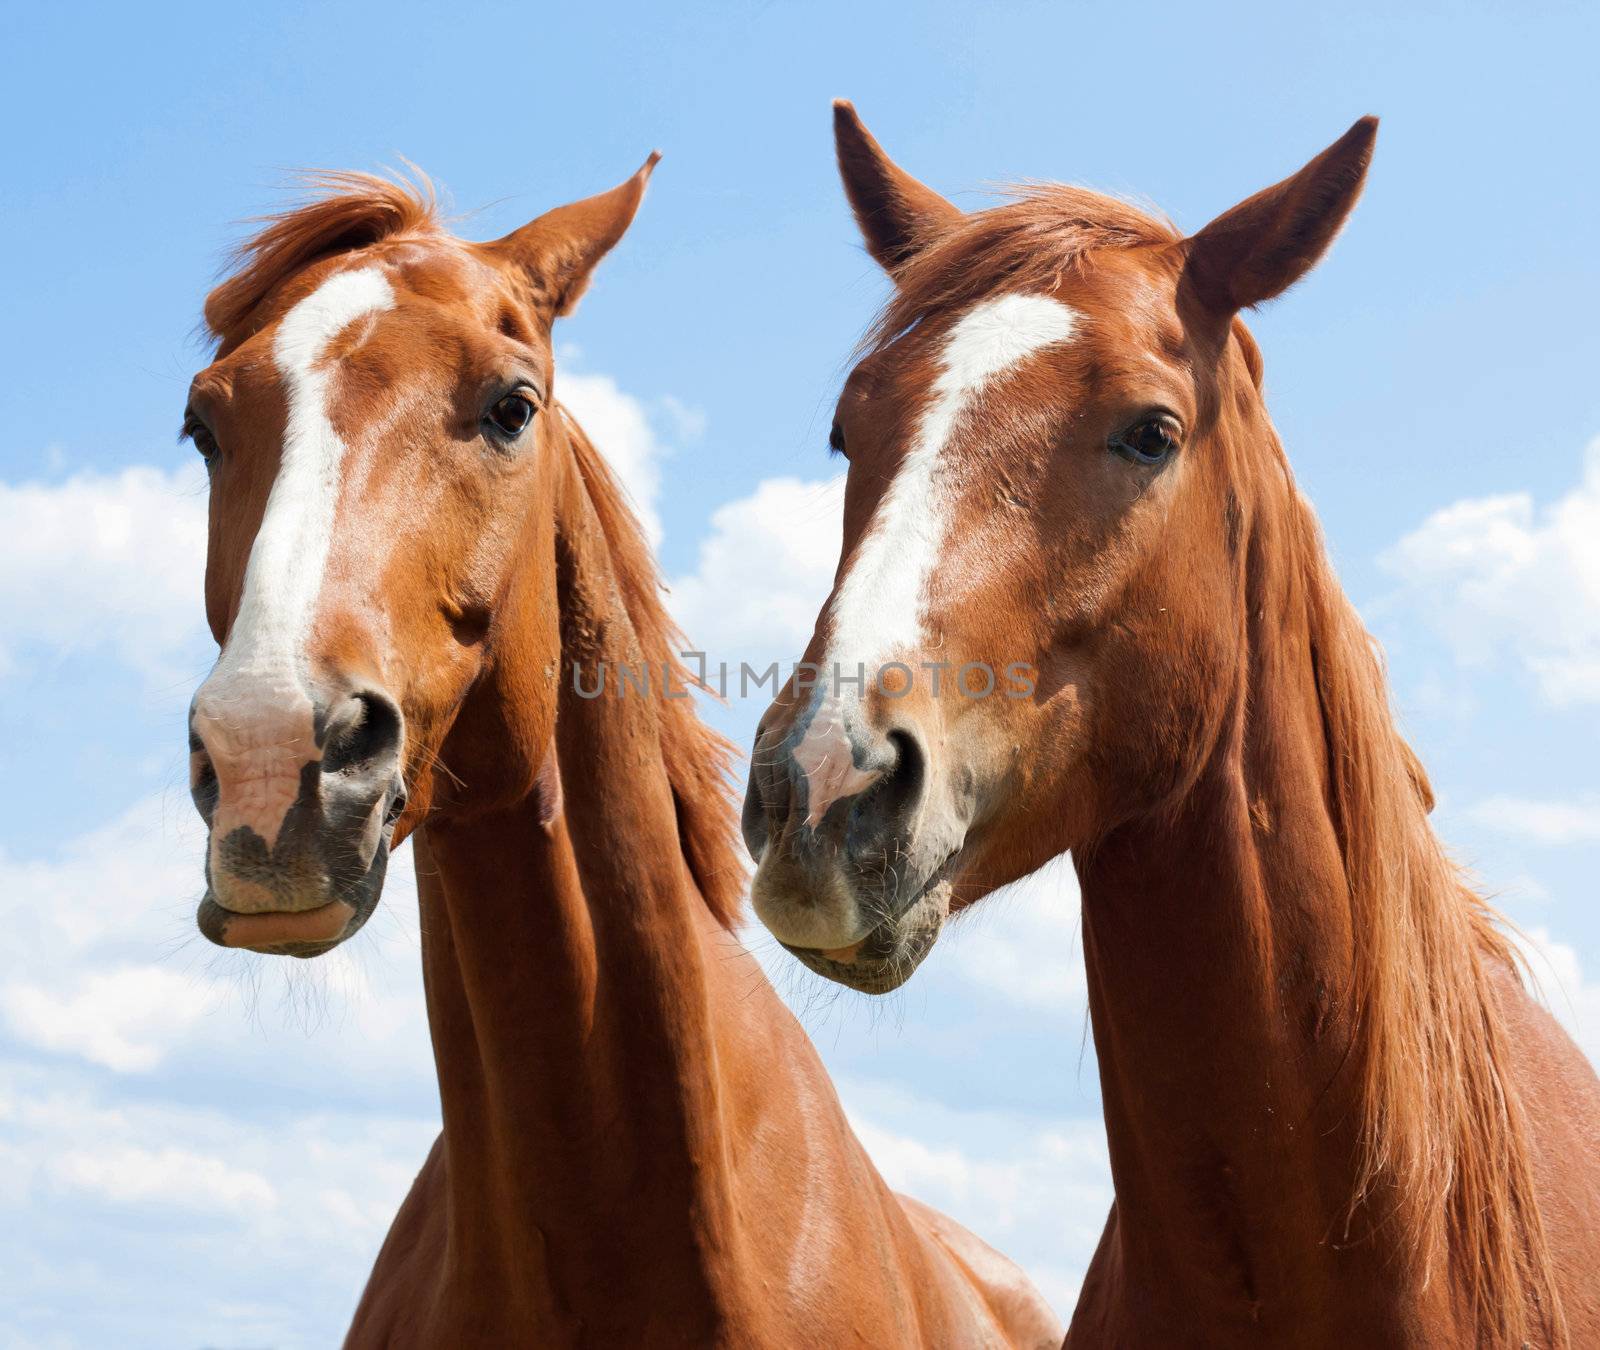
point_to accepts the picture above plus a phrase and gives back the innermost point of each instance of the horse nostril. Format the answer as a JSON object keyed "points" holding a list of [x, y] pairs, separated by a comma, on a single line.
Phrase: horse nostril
{"points": [[880, 813], [767, 796], [365, 731], [908, 754], [904, 777], [203, 785]]}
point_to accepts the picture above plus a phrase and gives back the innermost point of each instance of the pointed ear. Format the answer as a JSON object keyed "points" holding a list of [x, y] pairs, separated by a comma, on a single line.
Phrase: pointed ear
{"points": [[897, 214], [1268, 242], [560, 249]]}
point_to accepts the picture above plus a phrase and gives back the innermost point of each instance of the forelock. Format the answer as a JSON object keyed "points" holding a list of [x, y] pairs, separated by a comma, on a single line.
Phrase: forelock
{"points": [[345, 212], [1029, 243]]}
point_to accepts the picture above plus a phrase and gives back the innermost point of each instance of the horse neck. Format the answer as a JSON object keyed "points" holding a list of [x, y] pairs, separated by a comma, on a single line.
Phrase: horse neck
{"points": [[569, 966], [1223, 977]]}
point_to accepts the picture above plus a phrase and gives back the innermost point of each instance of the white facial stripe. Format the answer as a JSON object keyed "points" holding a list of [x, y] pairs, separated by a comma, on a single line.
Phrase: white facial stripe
{"points": [[284, 576], [878, 612], [254, 711], [879, 608]]}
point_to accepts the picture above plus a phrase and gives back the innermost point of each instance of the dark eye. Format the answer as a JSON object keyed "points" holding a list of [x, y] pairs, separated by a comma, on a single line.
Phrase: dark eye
{"points": [[1149, 442], [199, 434], [511, 415], [836, 440]]}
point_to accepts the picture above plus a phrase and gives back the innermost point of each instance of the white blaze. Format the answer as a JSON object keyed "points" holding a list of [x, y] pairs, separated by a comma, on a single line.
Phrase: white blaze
{"points": [[284, 577], [254, 710], [879, 611]]}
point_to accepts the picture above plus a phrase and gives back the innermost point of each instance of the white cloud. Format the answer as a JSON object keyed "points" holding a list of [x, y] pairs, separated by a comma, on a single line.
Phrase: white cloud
{"points": [[1021, 945], [1498, 574], [128, 1215], [105, 562], [107, 886], [105, 965], [1545, 822], [158, 1224], [763, 571], [125, 1174], [1559, 976], [125, 1019], [688, 422], [1037, 1190]]}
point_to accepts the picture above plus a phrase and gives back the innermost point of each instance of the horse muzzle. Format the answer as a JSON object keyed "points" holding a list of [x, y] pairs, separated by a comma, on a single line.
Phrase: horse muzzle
{"points": [[300, 792], [853, 843]]}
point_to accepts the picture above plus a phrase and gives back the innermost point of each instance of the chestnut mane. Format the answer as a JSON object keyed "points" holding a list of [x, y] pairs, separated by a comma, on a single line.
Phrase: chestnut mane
{"points": [[344, 212], [1444, 1146], [1443, 1149], [697, 758]]}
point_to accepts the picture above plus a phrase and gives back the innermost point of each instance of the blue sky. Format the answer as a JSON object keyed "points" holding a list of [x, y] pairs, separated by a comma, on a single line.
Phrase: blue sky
{"points": [[198, 1150]]}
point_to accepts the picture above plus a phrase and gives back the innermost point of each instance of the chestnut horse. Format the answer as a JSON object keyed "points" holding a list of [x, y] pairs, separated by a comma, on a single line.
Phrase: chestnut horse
{"points": [[413, 550], [1335, 1117]]}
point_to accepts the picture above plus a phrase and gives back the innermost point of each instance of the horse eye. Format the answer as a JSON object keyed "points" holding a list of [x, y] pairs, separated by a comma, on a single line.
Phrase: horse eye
{"points": [[199, 435], [836, 440], [1151, 441], [511, 415]]}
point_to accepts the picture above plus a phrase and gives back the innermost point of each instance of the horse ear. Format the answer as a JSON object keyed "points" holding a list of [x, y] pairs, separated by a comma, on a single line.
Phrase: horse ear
{"points": [[560, 249], [1268, 242], [897, 214]]}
